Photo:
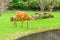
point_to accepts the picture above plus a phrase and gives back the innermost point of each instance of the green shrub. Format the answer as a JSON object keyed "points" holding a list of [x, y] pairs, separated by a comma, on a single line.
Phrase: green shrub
{"points": [[22, 4], [34, 5]]}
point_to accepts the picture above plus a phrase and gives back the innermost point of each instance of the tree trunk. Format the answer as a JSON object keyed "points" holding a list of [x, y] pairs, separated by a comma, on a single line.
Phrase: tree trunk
{"points": [[51, 8], [42, 6], [3, 6]]}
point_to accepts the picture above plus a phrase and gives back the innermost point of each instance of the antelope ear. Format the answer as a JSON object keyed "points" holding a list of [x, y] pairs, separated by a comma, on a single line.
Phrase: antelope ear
{"points": [[32, 18], [11, 18], [36, 13]]}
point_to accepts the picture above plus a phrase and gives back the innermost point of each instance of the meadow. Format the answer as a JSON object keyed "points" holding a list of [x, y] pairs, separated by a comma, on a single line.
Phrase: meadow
{"points": [[6, 26]]}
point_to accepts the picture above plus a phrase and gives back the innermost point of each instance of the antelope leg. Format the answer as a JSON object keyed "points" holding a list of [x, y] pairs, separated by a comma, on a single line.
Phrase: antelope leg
{"points": [[22, 23], [27, 23], [15, 23]]}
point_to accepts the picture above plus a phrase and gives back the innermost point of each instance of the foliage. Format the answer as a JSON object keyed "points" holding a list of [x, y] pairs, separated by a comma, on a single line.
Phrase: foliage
{"points": [[34, 4], [23, 4]]}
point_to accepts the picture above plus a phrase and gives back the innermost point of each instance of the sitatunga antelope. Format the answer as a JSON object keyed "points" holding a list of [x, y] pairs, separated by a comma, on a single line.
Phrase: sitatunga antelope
{"points": [[36, 16], [47, 15], [21, 15]]}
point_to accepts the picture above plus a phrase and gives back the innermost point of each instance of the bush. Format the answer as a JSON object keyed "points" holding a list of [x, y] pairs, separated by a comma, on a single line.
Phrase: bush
{"points": [[21, 4], [34, 6]]}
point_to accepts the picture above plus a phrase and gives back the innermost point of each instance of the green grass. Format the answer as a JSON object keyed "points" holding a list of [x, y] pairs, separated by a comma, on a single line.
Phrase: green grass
{"points": [[6, 26]]}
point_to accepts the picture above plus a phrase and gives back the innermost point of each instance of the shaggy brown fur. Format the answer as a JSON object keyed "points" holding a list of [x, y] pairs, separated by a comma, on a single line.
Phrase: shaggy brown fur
{"points": [[46, 15], [36, 16]]}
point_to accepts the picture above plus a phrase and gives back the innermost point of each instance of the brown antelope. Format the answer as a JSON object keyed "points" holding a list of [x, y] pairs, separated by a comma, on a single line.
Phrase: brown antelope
{"points": [[21, 15], [46, 15], [36, 16]]}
